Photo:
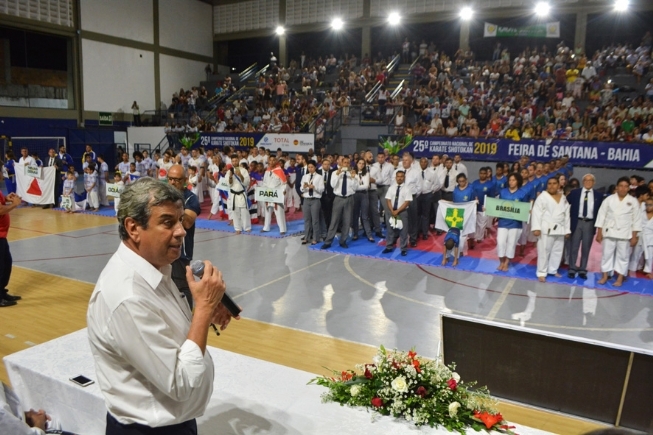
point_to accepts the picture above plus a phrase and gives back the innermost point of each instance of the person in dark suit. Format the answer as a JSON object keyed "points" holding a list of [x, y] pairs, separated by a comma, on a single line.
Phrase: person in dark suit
{"points": [[584, 203], [302, 169], [326, 201], [55, 161]]}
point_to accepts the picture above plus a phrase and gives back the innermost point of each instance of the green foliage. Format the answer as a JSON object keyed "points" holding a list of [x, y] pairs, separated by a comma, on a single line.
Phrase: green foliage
{"points": [[394, 146], [190, 139]]}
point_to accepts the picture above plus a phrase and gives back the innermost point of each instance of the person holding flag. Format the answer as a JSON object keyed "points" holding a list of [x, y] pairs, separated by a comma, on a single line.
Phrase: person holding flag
{"points": [[509, 229], [463, 193], [274, 178], [480, 189]]}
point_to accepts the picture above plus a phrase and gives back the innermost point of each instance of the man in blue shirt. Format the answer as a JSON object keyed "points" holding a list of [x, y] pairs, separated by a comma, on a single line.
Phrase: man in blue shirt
{"points": [[499, 179], [177, 178], [480, 189]]}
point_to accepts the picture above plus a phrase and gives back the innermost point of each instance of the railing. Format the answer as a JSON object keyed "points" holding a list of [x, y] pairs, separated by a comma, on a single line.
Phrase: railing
{"points": [[247, 72], [390, 67]]}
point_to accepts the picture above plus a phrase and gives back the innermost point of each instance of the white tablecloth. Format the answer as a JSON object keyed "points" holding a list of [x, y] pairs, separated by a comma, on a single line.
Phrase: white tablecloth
{"points": [[250, 395]]}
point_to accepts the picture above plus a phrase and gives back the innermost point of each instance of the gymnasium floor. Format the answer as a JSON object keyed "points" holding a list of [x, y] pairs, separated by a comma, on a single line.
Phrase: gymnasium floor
{"points": [[308, 309]]}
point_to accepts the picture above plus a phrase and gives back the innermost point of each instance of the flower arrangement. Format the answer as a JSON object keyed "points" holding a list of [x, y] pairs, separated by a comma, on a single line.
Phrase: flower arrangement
{"points": [[189, 140], [426, 392], [394, 146]]}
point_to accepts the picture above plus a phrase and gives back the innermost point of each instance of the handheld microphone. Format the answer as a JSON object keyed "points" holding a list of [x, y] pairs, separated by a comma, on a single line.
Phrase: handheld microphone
{"points": [[197, 267]]}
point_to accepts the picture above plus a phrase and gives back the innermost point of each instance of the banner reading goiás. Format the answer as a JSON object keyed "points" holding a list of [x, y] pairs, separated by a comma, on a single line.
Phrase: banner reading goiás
{"points": [[628, 155], [501, 208]]}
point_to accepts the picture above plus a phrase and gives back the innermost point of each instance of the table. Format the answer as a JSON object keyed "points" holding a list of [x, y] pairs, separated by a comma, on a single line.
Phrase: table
{"points": [[250, 395]]}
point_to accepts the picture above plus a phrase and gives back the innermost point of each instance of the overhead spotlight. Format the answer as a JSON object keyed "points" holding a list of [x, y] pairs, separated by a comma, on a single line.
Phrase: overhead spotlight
{"points": [[542, 9], [466, 13], [394, 18], [280, 30], [337, 24], [621, 5]]}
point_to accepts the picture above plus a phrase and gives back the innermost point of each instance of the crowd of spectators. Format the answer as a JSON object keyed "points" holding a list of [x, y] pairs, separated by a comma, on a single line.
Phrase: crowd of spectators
{"points": [[561, 94]]}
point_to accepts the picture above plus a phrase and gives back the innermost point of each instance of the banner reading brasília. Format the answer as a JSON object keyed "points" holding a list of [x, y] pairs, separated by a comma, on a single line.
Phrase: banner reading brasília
{"points": [[627, 155], [288, 142]]}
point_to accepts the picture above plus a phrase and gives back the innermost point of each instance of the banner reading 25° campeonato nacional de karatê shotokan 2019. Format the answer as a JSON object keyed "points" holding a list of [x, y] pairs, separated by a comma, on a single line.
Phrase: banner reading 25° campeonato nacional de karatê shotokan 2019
{"points": [[628, 155], [288, 142]]}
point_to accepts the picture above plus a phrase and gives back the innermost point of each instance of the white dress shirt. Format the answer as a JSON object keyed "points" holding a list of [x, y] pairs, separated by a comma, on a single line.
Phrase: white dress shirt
{"points": [[430, 181], [317, 181], [460, 168], [404, 195], [590, 204], [362, 182], [414, 180], [452, 179], [385, 176], [147, 369], [337, 180]]}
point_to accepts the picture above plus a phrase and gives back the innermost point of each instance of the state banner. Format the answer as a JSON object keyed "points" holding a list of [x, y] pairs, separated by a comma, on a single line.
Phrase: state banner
{"points": [[268, 194], [38, 186], [501, 208], [461, 215]]}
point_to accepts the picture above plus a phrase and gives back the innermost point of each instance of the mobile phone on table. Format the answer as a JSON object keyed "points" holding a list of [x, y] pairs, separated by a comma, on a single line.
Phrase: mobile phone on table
{"points": [[82, 381]]}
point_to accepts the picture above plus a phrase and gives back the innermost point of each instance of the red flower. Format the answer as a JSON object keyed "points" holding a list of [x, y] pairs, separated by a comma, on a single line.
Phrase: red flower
{"points": [[368, 373], [346, 376], [488, 419], [412, 354], [421, 391], [452, 384], [416, 365], [377, 402]]}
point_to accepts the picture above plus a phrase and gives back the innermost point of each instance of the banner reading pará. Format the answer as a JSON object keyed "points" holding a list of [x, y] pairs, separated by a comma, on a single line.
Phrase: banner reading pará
{"points": [[544, 30]]}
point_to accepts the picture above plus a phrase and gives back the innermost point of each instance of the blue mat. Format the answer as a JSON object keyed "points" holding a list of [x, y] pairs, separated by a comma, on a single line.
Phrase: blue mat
{"points": [[363, 248], [293, 228]]}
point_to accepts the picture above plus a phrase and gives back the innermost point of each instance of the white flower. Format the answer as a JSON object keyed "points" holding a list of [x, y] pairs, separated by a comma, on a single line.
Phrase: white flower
{"points": [[355, 390], [399, 384], [455, 376], [453, 409]]}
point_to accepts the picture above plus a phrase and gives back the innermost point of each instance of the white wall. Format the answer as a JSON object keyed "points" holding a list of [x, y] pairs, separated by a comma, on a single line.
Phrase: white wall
{"points": [[115, 76], [130, 19], [151, 135], [186, 25], [178, 73]]}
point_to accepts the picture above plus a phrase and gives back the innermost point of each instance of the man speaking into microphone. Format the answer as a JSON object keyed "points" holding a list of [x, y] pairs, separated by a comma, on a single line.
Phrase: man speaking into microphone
{"points": [[149, 349]]}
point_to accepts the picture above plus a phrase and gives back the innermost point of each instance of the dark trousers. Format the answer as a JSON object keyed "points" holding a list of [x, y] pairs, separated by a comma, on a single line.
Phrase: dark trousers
{"points": [[413, 219], [179, 278], [375, 217], [116, 428], [343, 210], [437, 196], [5, 266], [583, 234], [327, 206], [392, 234], [424, 207]]}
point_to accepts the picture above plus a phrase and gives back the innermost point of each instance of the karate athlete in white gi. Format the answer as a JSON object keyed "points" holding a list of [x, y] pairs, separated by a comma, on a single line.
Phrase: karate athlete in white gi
{"points": [[617, 224], [647, 238], [237, 201], [274, 178], [551, 224]]}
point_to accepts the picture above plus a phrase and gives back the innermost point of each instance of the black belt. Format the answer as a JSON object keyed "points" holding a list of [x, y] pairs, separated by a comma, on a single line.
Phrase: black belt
{"points": [[381, 185], [242, 192], [585, 219]]}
